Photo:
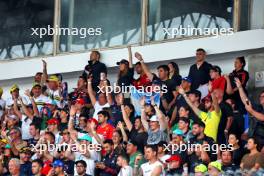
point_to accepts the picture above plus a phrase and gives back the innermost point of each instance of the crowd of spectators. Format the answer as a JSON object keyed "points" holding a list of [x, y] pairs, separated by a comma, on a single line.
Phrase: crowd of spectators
{"points": [[202, 123]]}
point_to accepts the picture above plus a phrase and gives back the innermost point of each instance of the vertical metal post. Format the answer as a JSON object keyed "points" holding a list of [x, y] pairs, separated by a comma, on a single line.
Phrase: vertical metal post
{"points": [[56, 26], [71, 17], [236, 15], [144, 21]]}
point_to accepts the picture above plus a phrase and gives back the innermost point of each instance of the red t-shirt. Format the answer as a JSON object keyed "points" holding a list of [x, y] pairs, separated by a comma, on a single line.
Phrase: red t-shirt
{"points": [[106, 131], [141, 81], [219, 83]]}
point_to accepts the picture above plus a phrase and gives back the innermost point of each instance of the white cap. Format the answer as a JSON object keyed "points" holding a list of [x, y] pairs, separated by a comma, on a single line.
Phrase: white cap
{"points": [[154, 118]]}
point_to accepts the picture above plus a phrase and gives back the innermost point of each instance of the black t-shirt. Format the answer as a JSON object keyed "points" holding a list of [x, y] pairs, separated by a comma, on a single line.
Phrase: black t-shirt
{"points": [[208, 140], [227, 111], [126, 79], [63, 126], [199, 76], [243, 77], [69, 167], [237, 126], [25, 169], [139, 138], [237, 155]]}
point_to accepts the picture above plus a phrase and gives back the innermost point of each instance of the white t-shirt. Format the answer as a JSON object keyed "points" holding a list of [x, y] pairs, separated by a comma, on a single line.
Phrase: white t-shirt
{"points": [[126, 171], [98, 107], [90, 163], [10, 101], [148, 168], [25, 127], [56, 96], [2, 107], [41, 100]]}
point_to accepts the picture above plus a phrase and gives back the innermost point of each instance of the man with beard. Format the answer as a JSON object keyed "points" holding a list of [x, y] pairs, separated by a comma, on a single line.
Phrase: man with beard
{"points": [[25, 164], [199, 139], [36, 167]]}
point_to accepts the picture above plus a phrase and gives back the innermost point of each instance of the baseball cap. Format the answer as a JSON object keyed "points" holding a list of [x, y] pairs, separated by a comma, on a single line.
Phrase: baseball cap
{"points": [[13, 88], [1, 90], [178, 132], [52, 121], [12, 116], [85, 137], [35, 84], [132, 142], [216, 69], [57, 163], [174, 158], [4, 141], [200, 168], [216, 164], [7, 146], [53, 78], [123, 61], [153, 118], [187, 79], [25, 150], [80, 101]]}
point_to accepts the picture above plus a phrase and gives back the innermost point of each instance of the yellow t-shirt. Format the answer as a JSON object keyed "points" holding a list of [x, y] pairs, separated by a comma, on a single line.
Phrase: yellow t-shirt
{"points": [[211, 120]]}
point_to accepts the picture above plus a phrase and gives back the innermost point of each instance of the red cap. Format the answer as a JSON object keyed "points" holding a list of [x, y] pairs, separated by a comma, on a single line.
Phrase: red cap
{"points": [[80, 101], [93, 120], [46, 168], [174, 158], [52, 121]]}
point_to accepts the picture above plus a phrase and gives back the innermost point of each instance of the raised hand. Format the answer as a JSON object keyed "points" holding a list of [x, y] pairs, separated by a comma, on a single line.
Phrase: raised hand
{"points": [[238, 82], [27, 93], [142, 101], [181, 90], [138, 56], [73, 111]]}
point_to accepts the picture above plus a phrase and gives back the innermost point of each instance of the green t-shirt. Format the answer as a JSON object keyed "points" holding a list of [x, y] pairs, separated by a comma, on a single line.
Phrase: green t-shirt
{"points": [[132, 159]]}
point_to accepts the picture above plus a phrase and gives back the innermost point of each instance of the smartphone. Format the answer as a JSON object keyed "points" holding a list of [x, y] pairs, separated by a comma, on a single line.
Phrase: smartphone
{"points": [[102, 76]]}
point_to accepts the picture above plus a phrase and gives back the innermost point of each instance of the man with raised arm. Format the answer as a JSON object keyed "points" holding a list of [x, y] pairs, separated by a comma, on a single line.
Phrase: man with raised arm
{"points": [[210, 118]]}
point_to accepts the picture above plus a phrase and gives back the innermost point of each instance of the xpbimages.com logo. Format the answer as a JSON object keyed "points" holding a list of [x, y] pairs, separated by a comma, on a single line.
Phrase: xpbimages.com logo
{"points": [[82, 32]]}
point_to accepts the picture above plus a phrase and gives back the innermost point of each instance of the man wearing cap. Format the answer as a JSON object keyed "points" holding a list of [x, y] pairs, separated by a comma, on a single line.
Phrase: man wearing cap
{"points": [[174, 165], [53, 91], [218, 81], [126, 71], [180, 101], [199, 72], [155, 131], [39, 98], [14, 91], [135, 157], [53, 127], [210, 118], [57, 168], [200, 170], [177, 140], [214, 168], [25, 164], [2, 104], [84, 152]]}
